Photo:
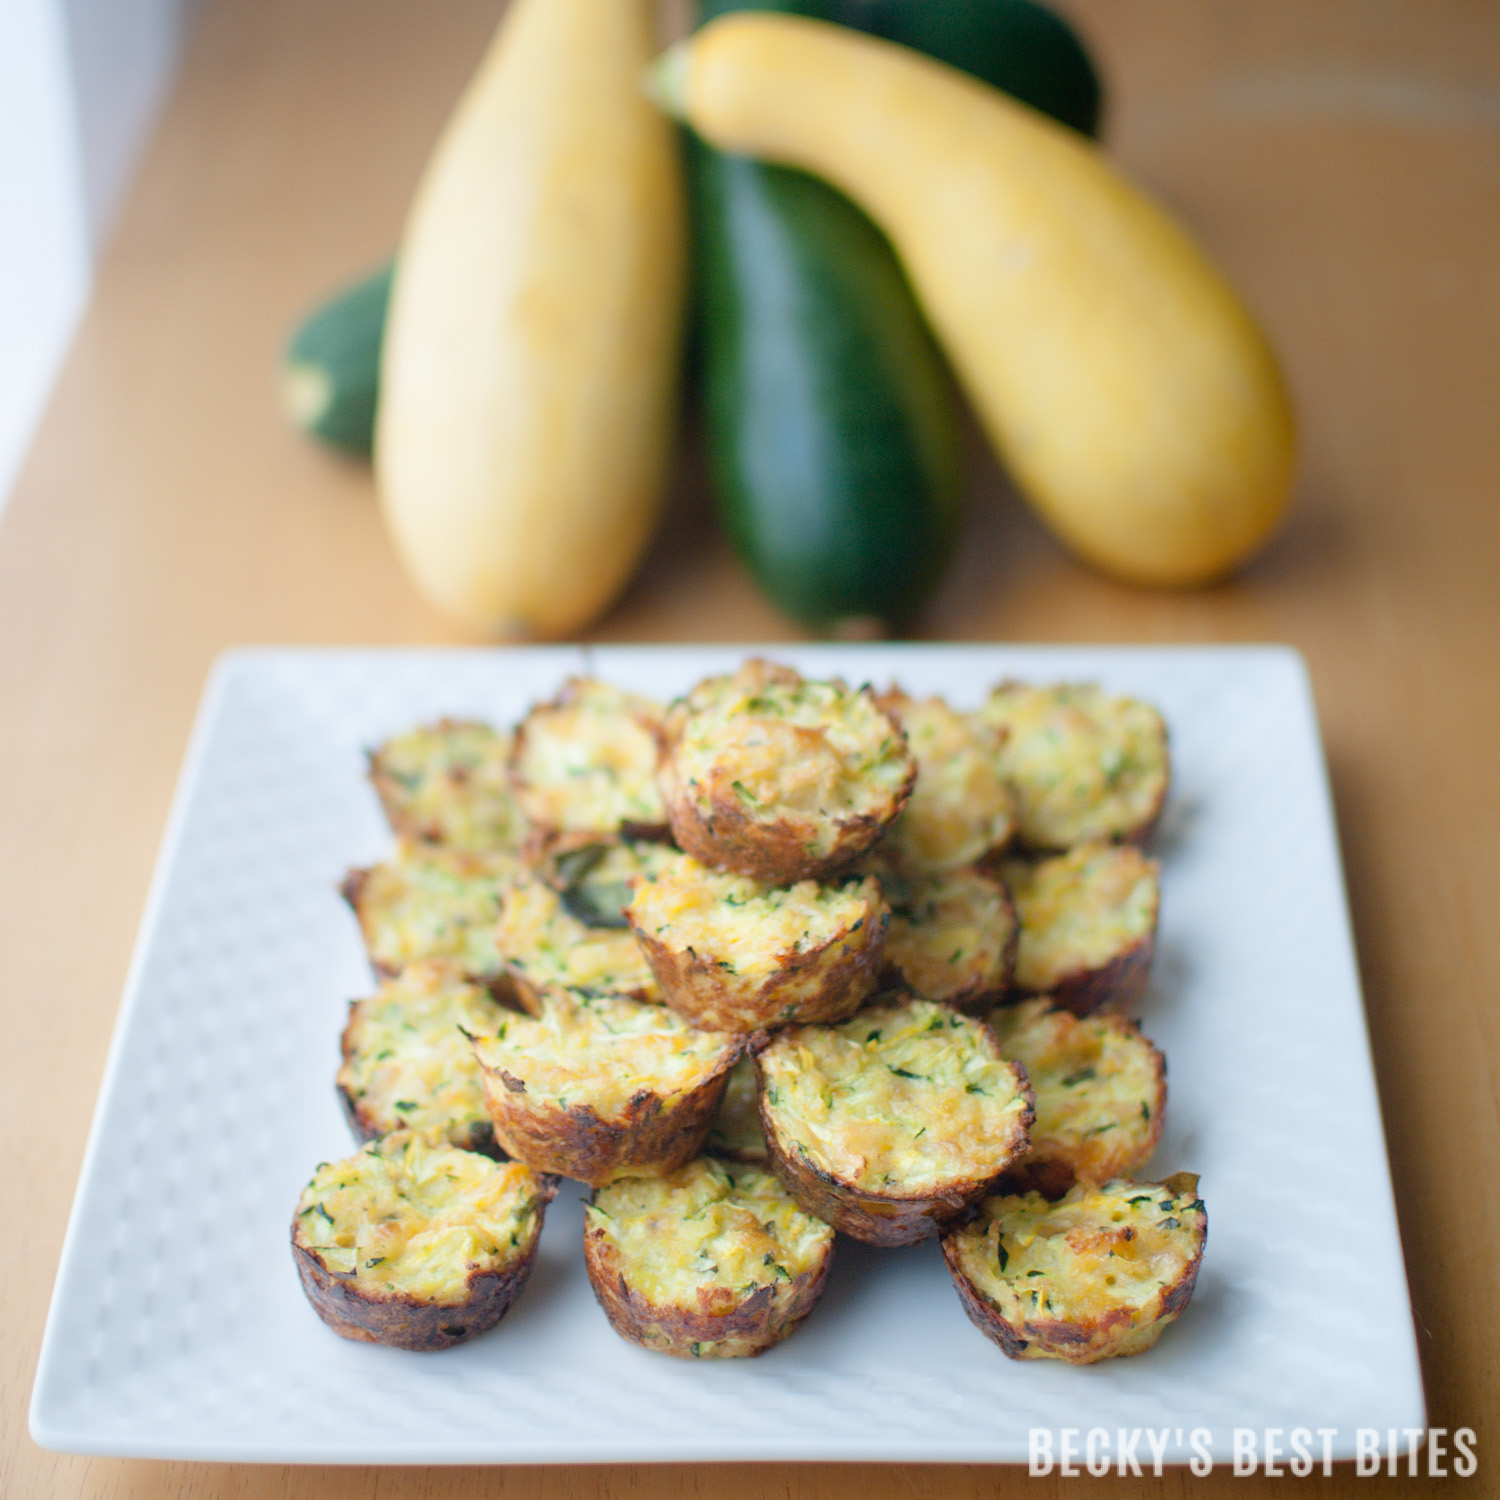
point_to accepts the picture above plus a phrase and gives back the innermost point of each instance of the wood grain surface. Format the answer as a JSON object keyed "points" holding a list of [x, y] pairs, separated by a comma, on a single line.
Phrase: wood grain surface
{"points": [[1342, 159]]}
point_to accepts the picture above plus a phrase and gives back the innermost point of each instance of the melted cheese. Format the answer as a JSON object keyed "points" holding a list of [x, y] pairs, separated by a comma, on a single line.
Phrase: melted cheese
{"points": [[1095, 1252], [1080, 910], [435, 903], [407, 1062], [1098, 1084], [708, 1224], [449, 783], [961, 807], [746, 926], [602, 1052], [1084, 765], [544, 946], [586, 762], [788, 748], [408, 1215], [901, 1099], [950, 934]]}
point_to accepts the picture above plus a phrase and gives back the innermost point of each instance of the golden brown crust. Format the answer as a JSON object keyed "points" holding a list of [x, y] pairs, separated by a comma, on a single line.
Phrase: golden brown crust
{"points": [[1117, 986], [875, 1218], [780, 844], [752, 1323], [901, 1213], [1106, 1322], [380, 1316], [709, 939], [1100, 1088], [953, 937], [1088, 925], [568, 811], [650, 1137], [448, 783]]}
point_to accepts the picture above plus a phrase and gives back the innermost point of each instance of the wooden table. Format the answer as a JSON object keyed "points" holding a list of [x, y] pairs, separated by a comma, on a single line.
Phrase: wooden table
{"points": [[1342, 159]]}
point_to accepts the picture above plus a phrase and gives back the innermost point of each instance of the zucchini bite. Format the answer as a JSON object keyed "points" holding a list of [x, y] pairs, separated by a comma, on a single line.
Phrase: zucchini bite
{"points": [[734, 954], [1101, 1093], [1096, 1275], [543, 946], [1084, 765], [735, 1133], [601, 1088], [961, 809], [953, 937], [892, 1123], [416, 1244], [1088, 924], [407, 1061], [449, 783], [708, 1262], [432, 903], [782, 779], [585, 764]]}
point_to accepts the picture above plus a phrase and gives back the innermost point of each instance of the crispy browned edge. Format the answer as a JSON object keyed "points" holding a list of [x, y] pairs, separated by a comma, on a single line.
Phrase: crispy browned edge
{"points": [[366, 1123], [1075, 1343], [761, 1319], [1054, 1174], [389, 790], [725, 838], [1138, 834], [544, 838], [404, 1321], [696, 987], [1115, 985], [976, 999], [883, 1218], [501, 985], [651, 1137]]}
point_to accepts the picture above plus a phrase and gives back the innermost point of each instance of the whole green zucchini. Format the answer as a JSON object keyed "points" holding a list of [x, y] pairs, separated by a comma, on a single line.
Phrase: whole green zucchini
{"points": [[830, 418], [330, 371]]}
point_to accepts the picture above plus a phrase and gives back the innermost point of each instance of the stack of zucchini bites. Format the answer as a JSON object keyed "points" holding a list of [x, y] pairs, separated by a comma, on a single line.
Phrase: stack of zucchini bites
{"points": [[780, 959]]}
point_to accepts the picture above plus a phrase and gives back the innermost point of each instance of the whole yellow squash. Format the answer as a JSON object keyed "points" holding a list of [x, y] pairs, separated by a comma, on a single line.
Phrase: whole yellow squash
{"points": [[1128, 390], [530, 355]]}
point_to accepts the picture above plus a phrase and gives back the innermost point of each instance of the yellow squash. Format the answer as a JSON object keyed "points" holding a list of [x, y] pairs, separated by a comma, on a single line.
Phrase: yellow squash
{"points": [[530, 354], [1125, 385]]}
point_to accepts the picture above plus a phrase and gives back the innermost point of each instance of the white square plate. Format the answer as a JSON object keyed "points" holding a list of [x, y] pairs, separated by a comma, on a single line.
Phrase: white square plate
{"points": [[178, 1329]]}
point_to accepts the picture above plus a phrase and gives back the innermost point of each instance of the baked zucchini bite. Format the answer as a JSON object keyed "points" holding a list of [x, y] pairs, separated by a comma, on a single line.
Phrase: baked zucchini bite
{"points": [[709, 1262], [432, 903], [735, 1133], [1096, 1275], [407, 1060], [415, 1243], [961, 809], [1084, 765], [735, 954], [585, 764], [449, 783], [601, 1088], [891, 1123], [1101, 1093], [543, 946], [953, 937], [783, 779], [1088, 924]]}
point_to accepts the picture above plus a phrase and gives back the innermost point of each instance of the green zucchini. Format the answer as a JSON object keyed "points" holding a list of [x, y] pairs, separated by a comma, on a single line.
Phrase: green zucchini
{"points": [[831, 426], [1015, 45], [830, 419], [330, 372]]}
